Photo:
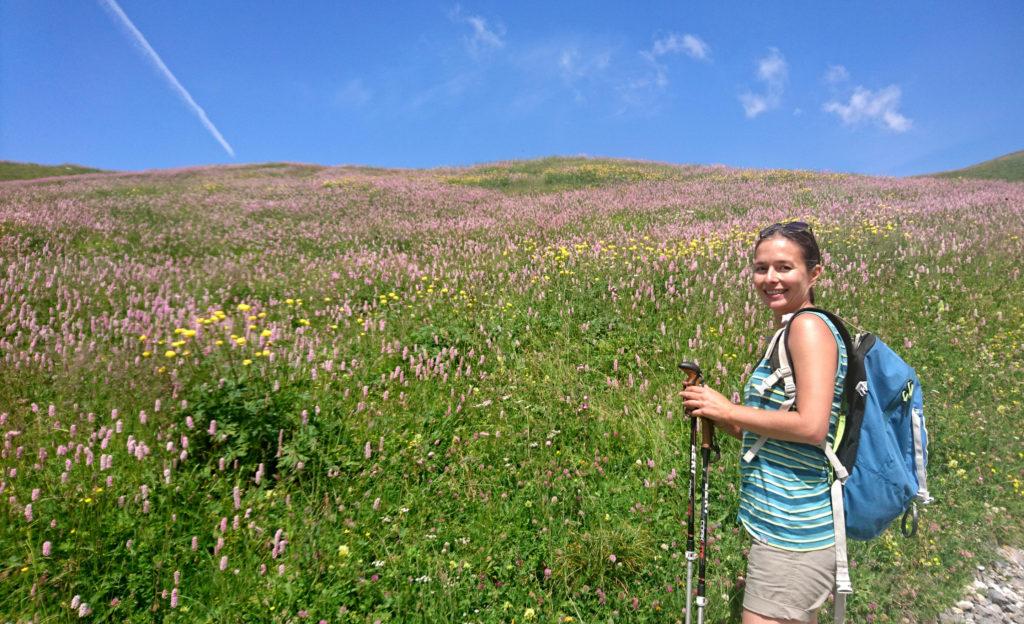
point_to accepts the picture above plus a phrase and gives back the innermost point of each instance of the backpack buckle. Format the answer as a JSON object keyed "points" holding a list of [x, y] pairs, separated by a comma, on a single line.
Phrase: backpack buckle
{"points": [[862, 388]]}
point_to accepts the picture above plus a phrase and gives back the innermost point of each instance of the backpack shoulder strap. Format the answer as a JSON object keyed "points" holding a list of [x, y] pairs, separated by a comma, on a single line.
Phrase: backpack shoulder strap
{"points": [[772, 354], [778, 351], [782, 371]]}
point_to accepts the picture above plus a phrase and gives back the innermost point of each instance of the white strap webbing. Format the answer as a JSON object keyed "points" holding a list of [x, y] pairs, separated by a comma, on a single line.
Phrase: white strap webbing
{"points": [[844, 585], [754, 449], [917, 425], [787, 379], [769, 381], [784, 372]]}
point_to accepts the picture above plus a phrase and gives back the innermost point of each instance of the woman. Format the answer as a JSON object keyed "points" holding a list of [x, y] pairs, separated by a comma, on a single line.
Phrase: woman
{"points": [[784, 492]]}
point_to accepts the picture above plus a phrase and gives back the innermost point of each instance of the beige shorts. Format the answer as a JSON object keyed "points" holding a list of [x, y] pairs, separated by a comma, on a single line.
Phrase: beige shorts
{"points": [[788, 584]]}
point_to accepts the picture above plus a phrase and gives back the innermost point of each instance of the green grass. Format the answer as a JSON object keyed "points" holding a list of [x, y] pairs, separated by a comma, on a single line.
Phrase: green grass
{"points": [[494, 421], [547, 175], [10, 170], [1009, 167]]}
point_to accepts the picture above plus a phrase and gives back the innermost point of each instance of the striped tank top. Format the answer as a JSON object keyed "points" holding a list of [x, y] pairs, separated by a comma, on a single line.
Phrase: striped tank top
{"points": [[784, 491]]}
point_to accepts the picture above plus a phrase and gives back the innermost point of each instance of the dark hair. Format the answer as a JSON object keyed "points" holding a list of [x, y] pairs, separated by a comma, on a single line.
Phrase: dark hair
{"points": [[801, 235]]}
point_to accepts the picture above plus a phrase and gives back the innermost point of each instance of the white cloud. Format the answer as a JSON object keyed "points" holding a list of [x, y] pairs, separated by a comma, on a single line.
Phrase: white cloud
{"points": [[657, 78], [484, 37], [660, 77], [836, 74], [353, 93], [881, 107], [754, 105], [691, 45], [773, 71], [574, 63]]}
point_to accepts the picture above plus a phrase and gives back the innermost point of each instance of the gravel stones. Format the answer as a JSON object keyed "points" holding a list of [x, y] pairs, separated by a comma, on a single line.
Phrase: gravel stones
{"points": [[996, 596]]}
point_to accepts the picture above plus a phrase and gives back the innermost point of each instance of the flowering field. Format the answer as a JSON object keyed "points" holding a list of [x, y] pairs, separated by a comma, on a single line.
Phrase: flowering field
{"points": [[286, 393]]}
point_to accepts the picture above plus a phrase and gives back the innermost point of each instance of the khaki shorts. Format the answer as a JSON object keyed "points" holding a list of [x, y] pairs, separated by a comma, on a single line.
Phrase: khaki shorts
{"points": [[788, 584]]}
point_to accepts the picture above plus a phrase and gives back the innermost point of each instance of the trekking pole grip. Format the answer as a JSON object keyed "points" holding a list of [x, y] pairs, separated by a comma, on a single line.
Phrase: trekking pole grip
{"points": [[693, 374]]}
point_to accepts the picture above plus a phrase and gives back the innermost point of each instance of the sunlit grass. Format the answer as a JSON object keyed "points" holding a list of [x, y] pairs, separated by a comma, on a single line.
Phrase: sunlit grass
{"points": [[360, 395]]}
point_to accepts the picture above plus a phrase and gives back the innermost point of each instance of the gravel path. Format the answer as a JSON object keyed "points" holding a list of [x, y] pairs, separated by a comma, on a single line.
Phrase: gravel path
{"points": [[997, 594]]}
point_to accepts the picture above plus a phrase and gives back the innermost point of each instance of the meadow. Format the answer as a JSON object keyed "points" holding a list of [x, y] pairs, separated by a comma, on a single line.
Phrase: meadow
{"points": [[286, 393]]}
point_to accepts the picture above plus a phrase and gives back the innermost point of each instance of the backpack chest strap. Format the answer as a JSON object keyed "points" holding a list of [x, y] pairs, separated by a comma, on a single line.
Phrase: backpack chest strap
{"points": [[782, 372]]}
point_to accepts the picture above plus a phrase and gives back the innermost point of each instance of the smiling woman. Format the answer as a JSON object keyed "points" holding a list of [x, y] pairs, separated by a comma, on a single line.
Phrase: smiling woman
{"points": [[784, 496], [787, 263]]}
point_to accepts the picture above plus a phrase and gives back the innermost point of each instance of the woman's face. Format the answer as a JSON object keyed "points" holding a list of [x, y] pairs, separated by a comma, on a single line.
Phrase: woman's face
{"points": [[781, 277]]}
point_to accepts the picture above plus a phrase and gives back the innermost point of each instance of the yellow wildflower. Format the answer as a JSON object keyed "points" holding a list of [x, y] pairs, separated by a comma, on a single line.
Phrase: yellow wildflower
{"points": [[169, 354], [244, 307]]}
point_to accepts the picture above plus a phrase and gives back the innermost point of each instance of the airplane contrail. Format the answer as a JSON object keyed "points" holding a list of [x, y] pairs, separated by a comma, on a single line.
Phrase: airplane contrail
{"points": [[140, 41]]}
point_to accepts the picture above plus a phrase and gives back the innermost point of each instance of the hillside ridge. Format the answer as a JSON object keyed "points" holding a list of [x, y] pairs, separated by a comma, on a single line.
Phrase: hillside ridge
{"points": [[1008, 167]]}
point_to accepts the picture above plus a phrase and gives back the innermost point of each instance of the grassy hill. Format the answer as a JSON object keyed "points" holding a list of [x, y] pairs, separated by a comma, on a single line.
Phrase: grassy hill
{"points": [[1009, 167], [285, 393], [10, 170]]}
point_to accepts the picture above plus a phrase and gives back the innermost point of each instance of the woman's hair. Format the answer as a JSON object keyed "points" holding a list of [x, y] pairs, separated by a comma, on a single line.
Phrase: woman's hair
{"points": [[801, 235]]}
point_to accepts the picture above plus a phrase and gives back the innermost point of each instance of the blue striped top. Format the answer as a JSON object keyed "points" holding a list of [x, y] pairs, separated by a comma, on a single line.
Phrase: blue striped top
{"points": [[784, 491]]}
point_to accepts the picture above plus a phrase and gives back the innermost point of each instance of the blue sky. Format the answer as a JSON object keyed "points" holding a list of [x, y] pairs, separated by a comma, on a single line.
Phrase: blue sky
{"points": [[892, 88]]}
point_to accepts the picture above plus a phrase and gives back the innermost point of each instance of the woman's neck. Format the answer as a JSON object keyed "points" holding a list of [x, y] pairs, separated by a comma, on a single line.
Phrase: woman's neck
{"points": [[779, 316]]}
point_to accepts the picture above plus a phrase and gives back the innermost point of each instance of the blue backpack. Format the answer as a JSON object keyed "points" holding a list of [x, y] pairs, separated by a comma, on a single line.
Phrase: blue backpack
{"points": [[880, 454]]}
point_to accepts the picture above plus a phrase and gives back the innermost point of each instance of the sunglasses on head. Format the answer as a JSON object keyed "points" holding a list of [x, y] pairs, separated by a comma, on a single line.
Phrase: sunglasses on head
{"points": [[790, 227]]}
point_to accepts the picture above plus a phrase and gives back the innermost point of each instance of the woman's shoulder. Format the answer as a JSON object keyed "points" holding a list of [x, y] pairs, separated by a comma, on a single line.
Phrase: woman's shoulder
{"points": [[811, 329], [811, 321]]}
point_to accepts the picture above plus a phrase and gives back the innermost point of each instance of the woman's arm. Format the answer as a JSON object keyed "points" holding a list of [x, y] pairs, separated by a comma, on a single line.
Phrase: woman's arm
{"points": [[814, 357]]}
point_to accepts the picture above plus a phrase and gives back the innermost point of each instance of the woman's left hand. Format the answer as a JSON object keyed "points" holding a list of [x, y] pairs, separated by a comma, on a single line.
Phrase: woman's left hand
{"points": [[707, 403]]}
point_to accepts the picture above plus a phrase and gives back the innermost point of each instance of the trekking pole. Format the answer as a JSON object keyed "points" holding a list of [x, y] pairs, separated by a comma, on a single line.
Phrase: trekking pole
{"points": [[693, 378], [706, 446]]}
